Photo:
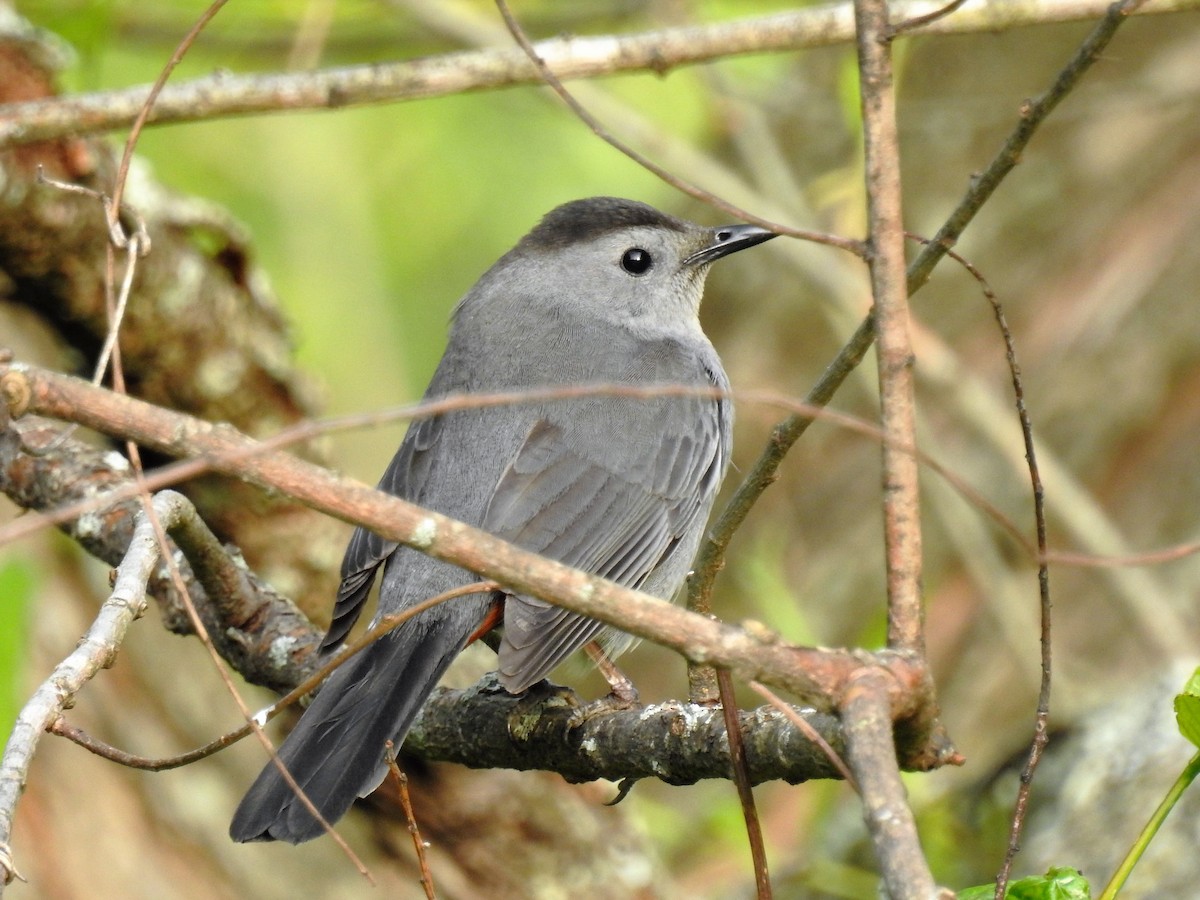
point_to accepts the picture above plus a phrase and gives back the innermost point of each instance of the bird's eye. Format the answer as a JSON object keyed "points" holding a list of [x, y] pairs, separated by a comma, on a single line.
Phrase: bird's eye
{"points": [[637, 261]]}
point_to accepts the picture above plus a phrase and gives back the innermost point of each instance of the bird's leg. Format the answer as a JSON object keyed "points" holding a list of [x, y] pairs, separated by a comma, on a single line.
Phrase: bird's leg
{"points": [[494, 616], [622, 688]]}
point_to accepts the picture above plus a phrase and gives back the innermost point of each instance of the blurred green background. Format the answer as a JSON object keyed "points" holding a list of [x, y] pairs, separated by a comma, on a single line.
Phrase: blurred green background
{"points": [[372, 222]]}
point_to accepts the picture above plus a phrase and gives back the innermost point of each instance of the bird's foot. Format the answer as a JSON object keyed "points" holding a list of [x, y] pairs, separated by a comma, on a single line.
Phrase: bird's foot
{"points": [[623, 694]]}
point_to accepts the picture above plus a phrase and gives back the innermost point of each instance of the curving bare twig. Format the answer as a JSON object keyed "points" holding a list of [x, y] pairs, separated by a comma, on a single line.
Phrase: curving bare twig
{"points": [[1091, 48], [680, 184]]}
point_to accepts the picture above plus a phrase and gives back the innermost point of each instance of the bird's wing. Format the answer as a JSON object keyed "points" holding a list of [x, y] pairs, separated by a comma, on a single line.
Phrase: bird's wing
{"points": [[612, 489], [367, 551]]}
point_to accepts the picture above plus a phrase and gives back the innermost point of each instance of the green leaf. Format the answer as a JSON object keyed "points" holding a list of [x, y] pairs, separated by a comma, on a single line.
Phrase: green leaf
{"points": [[1060, 883], [1187, 709]]}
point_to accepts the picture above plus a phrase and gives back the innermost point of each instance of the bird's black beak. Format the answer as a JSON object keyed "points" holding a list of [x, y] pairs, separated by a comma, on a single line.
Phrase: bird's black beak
{"points": [[728, 239]]}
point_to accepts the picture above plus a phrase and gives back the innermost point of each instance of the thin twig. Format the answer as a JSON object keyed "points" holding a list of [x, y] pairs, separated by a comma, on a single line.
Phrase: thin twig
{"points": [[809, 732], [107, 418], [305, 687], [105, 750], [694, 191], [741, 778], [804, 413], [137, 246], [419, 844], [148, 104], [1042, 716], [921, 21], [185, 507], [1033, 114], [1088, 52], [13, 388]]}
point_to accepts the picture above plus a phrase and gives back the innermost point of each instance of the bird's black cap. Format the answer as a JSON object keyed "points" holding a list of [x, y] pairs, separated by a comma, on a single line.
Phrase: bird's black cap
{"points": [[585, 220]]}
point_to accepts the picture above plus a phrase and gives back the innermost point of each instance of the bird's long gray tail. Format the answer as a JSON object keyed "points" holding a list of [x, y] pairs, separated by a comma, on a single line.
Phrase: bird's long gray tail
{"points": [[335, 753]]}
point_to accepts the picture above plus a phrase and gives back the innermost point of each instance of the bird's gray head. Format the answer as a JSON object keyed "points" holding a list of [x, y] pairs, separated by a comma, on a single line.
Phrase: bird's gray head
{"points": [[623, 259]]}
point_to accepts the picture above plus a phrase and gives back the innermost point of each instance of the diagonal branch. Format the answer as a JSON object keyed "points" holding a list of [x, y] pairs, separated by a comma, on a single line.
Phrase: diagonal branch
{"points": [[816, 676]]}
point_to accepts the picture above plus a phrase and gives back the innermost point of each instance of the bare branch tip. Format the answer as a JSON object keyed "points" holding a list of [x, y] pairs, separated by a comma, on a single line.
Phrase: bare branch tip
{"points": [[8, 869], [16, 391]]}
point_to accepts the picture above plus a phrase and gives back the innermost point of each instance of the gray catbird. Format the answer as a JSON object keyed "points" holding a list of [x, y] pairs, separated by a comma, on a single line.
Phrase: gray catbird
{"points": [[602, 290]]}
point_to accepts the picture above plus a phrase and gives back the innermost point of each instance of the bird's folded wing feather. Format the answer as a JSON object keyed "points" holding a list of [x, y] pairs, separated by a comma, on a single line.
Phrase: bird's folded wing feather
{"points": [[614, 504], [367, 551]]}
